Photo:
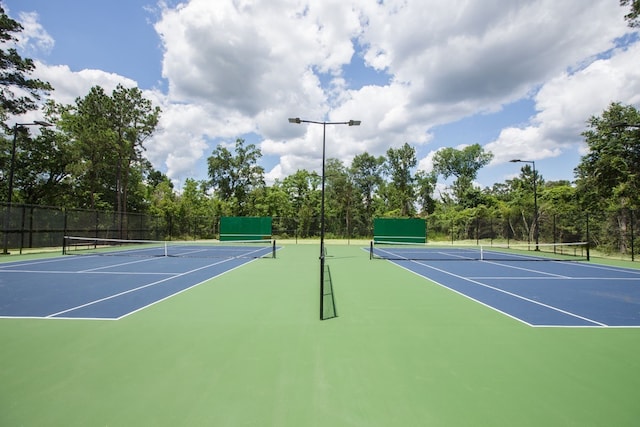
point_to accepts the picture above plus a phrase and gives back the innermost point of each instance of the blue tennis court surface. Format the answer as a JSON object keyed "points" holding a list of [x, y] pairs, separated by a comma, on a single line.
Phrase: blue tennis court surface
{"points": [[100, 287], [546, 293]]}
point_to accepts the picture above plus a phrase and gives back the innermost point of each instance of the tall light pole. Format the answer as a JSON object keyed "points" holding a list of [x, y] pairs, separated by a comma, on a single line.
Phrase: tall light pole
{"points": [[536, 232], [324, 124], [7, 212]]}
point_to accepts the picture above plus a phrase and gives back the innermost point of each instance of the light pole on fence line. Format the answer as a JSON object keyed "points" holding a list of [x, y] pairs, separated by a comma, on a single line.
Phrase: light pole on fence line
{"points": [[536, 234], [324, 124], [7, 213]]}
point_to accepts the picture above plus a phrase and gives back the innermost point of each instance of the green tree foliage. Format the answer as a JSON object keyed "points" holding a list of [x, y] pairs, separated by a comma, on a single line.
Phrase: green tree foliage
{"points": [[14, 72], [340, 195], [271, 201], [97, 151], [18, 94], [133, 119], [303, 190], [560, 215], [522, 203], [235, 175], [632, 17], [86, 124], [464, 165], [425, 187], [41, 168], [400, 162], [107, 133], [609, 174], [194, 210], [366, 174], [161, 195]]}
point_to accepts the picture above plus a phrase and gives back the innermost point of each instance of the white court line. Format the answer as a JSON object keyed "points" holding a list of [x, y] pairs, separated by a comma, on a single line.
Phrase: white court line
{"points": [[138, 261], [611, 268], [3, 266], [527, 269], [631, 279], [115, 273], [91, 270], [136, 289], [504, 292], [182, 290], [596, 266], [71, 258]]}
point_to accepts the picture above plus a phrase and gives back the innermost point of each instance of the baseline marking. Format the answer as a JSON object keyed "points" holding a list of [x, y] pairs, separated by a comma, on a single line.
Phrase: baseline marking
{"points": [[136, 289], [507, 293]]}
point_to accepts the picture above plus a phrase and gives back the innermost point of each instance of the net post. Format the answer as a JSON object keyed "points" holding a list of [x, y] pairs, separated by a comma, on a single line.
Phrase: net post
{"points": [[481, 253], [371, 250], [322, 288], [166, 248], [588, 253], [273, 251], [64, 245]]}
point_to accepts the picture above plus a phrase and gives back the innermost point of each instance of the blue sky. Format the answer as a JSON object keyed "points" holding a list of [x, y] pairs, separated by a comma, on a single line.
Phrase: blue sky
{"points": [[519, 78], [116, 36]]}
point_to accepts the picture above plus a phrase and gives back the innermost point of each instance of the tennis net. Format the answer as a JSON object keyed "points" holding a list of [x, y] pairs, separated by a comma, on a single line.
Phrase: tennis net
{"points": [[578, 251], [162, 248]]}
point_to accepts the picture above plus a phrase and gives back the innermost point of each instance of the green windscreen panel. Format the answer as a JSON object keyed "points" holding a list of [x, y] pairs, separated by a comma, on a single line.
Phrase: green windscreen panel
{"points": [[245, 228], [400, 230]]}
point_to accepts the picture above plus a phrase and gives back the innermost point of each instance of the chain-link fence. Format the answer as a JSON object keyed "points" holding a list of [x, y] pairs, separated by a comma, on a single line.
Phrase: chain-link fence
{"points": [[28, 227], [609, 233], [547, 229]]}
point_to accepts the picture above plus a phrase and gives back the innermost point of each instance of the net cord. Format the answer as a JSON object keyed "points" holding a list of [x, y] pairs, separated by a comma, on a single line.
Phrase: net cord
{"points": [[66, 243], [482, 249]]}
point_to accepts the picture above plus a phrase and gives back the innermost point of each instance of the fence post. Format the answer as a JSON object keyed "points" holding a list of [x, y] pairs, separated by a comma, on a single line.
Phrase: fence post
{"points": [[64, 223], [588, 240], [451, 232], [632, 237], [97, 225]]}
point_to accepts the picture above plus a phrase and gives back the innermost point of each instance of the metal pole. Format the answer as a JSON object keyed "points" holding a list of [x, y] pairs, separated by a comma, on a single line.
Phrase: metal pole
{"points": [[632, 236], [588, 238], [324, 124], [324, 133], [7, 212], [535, 205]]}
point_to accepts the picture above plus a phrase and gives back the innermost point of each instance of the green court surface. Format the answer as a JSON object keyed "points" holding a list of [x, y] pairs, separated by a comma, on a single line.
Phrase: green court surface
{"points": [[247, 349]]}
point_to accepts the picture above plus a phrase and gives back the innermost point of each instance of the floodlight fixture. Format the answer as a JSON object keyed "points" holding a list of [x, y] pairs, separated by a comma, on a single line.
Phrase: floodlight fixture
{"points": [[298, 120]]}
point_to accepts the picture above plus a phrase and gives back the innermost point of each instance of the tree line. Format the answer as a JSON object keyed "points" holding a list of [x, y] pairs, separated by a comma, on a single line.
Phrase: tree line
{"points": [[93, 157]]}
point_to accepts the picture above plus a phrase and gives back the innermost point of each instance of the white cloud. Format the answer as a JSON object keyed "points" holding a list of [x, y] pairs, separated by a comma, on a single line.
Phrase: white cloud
{"points": [[490, 51], [564, 104], [33, 37], [426, 163], [70, 84], [250, 57], [236, 67]]}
